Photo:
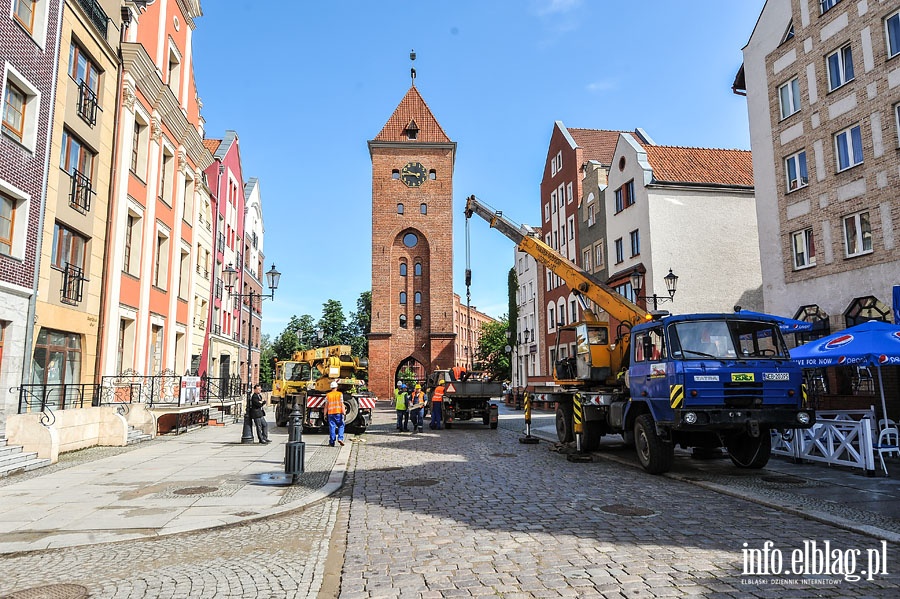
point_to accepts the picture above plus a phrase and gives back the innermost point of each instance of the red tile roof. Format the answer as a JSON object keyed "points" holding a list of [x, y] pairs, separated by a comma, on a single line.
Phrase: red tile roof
{"points": [[413, 108], [677, 164], [212, 145], [598, 144]]}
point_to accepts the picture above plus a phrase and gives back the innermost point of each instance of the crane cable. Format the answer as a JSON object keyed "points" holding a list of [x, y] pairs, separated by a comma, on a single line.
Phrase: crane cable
{"points": [[468, 329]]}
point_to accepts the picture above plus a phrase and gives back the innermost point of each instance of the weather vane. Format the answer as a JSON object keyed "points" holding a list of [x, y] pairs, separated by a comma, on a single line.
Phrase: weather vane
{"points": [[412, 70]]}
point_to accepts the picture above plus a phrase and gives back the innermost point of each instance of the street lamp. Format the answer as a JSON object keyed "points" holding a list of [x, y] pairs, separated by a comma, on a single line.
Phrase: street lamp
{"points": [[272, 279], [637, 283]]}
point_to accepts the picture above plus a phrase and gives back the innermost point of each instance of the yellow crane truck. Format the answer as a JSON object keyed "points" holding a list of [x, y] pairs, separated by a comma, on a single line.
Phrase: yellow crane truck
{"points": [[307, 377]]}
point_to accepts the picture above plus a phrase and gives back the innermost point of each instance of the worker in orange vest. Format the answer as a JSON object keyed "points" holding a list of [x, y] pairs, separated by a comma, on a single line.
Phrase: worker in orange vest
{"points": [[334, 410], [437, 401], [416, 406]]}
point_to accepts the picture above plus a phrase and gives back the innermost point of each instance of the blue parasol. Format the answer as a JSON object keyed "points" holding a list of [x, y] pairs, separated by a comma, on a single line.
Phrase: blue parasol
{"points": [[872, 343], [787, 325]]}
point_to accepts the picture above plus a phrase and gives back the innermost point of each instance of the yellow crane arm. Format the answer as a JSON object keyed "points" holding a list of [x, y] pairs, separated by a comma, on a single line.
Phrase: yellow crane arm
{"points": [[579, 281]]}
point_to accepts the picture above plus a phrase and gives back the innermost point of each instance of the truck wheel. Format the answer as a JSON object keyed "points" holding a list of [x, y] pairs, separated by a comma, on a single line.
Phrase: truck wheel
{"points": [[591, 435], [281, 416], [564, 429], [747, 451], [351, 408], [655, 454]]}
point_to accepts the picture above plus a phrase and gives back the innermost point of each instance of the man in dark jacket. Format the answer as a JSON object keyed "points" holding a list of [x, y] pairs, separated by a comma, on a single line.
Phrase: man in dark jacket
{"points": [[259, 415]]}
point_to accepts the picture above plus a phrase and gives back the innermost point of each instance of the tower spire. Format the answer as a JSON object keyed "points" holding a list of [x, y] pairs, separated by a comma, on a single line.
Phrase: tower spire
{"points": [[412, 70]]}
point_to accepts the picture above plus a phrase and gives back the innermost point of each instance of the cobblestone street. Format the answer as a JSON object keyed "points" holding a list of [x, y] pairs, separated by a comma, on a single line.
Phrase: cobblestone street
{"points": [[468, 512]]}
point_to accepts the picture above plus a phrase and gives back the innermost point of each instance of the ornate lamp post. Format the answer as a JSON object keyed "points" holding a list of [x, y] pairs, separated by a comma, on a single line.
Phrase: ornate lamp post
{"points": [[272, 279], [637, 283]]}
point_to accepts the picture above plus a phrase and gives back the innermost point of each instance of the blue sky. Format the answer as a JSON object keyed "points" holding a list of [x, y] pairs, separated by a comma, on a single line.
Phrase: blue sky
{"points": [[307, 84]]}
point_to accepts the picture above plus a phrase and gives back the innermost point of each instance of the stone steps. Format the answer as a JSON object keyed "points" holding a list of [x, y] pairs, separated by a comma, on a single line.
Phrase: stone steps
{"points": [[13, 460], [136, 436]]}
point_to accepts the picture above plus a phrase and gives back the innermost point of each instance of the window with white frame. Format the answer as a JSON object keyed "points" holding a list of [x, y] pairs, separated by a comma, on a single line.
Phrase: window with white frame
{"points": [[897, 121], [635, 243], [620, 251], [559, 161], [892, 32], [840, 67], [173, 69], [590, 218], [857, 234], [803, 248], [7, 223], [161, 260], [625, 196], [132, 250], [21, 104], [561, 194], [795, 171], [848, 147], [569, 196], [546, 212], [68, 247], [586, 259], [32, 16], [553, 201], [551, 317], [599, 255], [789, 97], [140, 141], [571, 228]]}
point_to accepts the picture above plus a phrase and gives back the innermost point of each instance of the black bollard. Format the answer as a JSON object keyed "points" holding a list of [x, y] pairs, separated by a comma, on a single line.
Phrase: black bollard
{"points": [[295, 448]]}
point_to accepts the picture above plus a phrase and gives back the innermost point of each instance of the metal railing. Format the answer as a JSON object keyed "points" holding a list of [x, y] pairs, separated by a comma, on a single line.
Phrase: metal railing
{"points": [[96, 14], [72, 284], [87, 103], [220, 243], [80, 192], [216, 329], [839, 437], [47, 397]]}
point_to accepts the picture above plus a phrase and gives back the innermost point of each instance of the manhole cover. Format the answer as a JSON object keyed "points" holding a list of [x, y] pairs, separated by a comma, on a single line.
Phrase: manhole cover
{"points": [[195, 490], [387, 469], [626, 510], [51, 591], [503, 455], [418, 482], [783, 480]]}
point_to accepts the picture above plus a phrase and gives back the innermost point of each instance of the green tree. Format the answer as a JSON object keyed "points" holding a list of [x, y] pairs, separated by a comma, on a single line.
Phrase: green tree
{"points": [[266, 362], [512, 284], [333, 324], [361, 325], [491, 351]]}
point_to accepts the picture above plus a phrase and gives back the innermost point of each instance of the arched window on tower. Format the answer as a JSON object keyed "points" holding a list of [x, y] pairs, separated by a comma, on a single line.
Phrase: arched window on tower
{"points": [[417, 321], [403, 297], [417, 269], [399, 208], [403, 269], [432, 174], [403, 321], [418, 297], [423, 208], [395, 174]]}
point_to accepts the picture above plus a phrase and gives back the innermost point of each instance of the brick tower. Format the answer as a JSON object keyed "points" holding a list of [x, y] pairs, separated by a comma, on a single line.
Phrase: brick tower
{"points": [[412, 246]]}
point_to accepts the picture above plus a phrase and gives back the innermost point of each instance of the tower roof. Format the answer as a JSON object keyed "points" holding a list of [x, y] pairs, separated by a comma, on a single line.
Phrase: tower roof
{"points": [[412, 109]]}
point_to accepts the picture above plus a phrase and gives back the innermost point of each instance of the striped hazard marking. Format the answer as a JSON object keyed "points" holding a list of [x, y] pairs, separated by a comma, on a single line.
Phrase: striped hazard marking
{"points": [[676, 396]]}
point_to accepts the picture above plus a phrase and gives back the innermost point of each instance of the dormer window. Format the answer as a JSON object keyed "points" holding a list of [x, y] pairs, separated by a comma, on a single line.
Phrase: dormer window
{"points": [[412, 130]]}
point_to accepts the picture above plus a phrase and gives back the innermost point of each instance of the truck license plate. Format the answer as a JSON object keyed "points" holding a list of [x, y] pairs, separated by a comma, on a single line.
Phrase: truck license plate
{"points": [[313, 415]]}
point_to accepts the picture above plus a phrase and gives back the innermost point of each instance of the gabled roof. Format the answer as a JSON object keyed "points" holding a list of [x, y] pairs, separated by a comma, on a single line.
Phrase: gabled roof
{"points": [[600, 144], [706, 166], [212, 145], [413, 108]]}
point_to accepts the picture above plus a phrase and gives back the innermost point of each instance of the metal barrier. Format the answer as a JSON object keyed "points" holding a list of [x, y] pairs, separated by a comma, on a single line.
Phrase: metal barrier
{"points": [[46, 398], [839, 437]]}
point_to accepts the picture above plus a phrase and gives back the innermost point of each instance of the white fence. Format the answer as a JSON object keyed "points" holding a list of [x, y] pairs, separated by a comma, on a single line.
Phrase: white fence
{"points": [[842, 437]]}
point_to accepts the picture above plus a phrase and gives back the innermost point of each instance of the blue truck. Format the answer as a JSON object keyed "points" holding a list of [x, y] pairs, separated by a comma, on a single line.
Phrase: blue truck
{"points": [[698, 381]]}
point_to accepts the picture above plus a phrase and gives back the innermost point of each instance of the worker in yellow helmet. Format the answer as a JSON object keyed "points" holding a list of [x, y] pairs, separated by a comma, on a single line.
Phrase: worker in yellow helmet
{"points": [[437, 401]]}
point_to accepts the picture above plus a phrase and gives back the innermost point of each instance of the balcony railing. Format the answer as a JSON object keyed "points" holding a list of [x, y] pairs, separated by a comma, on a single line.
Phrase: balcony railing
{"points": [[96, 14], [72, 285], [87, 103], [220, 244], [202, 272], [80, 192], [217, 329], [218, 289]]}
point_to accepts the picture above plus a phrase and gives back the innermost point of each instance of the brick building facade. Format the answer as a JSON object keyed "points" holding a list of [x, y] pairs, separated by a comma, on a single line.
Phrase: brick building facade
{"points": [[29, 39], [412, 245]]}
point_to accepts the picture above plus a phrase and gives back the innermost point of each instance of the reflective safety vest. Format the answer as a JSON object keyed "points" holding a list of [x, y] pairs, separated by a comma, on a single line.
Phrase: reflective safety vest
{"points": [[418, 400], [400, 401], [335, 403], [438, 396]]}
